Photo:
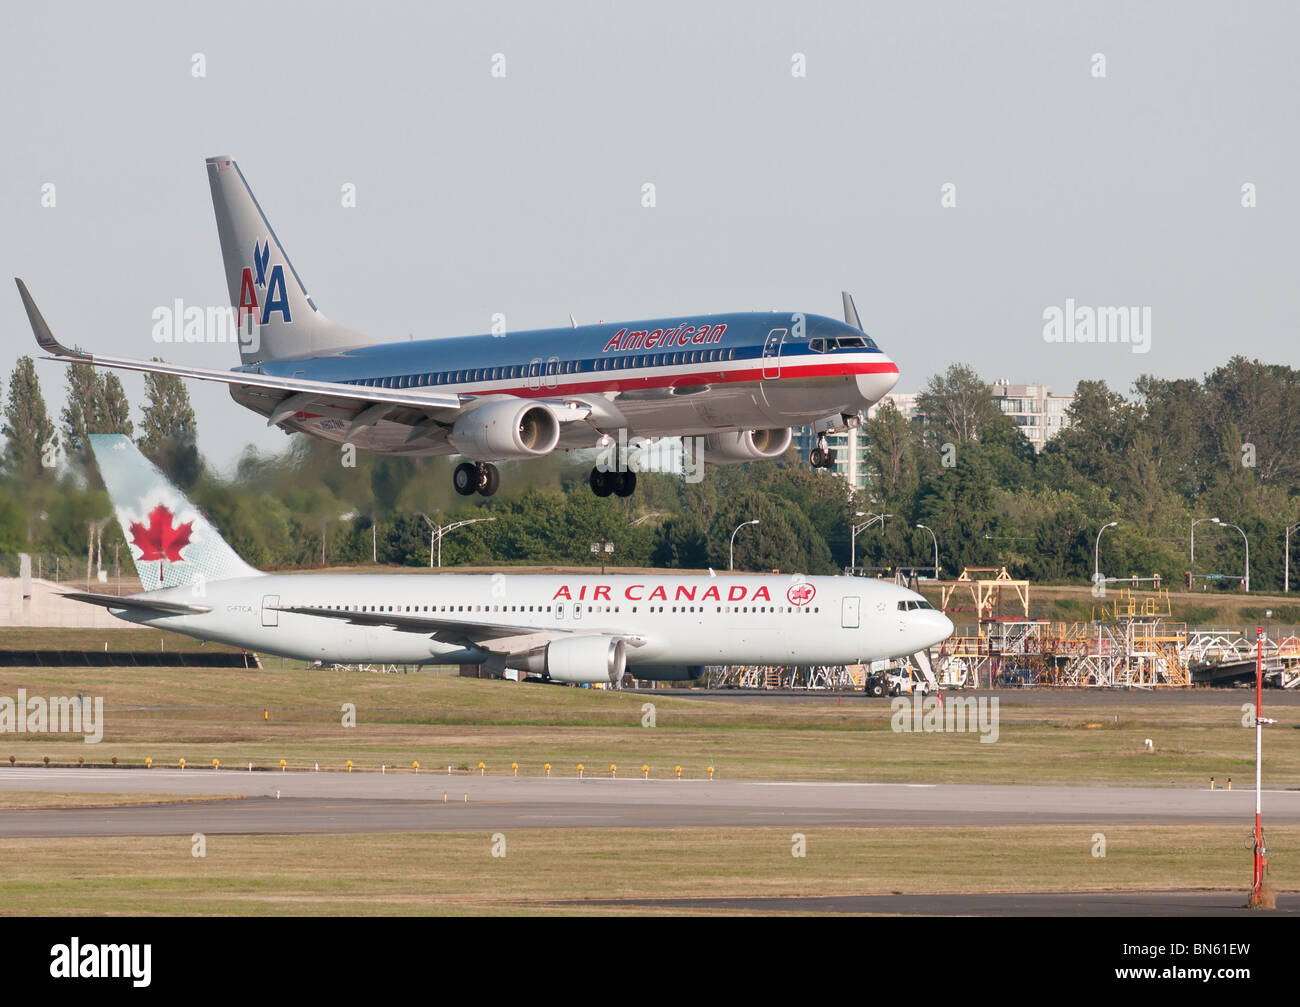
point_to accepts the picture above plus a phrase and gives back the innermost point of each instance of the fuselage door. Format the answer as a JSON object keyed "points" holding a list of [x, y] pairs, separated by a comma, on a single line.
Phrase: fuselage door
{"points": [[851, 613], [270, 613], [772, 354], [559, 610]]}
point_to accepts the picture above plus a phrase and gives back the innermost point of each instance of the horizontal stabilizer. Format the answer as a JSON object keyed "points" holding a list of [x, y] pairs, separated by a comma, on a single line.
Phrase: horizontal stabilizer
{"points": [[153, 605]]}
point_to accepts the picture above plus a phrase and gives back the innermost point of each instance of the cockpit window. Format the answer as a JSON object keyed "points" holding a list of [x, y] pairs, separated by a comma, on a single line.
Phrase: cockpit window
{"points": [[912, 606], [827, 345]]}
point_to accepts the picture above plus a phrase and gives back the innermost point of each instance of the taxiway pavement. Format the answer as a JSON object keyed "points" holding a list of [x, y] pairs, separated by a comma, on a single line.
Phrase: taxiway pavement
{"points": [[312, 802]]}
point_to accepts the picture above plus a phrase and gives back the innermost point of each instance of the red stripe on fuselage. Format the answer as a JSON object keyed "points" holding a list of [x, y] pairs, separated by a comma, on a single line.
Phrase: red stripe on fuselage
{"points": [[596, 380], [752, 372]]}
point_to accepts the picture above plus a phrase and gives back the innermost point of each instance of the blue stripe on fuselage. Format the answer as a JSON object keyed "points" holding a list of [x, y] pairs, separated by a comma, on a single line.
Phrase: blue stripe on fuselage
{"points": [[744, 333]]}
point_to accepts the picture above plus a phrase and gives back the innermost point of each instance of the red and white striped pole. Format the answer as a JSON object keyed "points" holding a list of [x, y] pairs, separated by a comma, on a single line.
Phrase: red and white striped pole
{"points": [[1256, 890]]}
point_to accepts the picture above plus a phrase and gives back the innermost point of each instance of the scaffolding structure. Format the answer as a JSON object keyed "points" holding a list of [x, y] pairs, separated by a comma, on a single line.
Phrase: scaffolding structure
{"points": [[1130, 643], [987, 593], [787, 676]]}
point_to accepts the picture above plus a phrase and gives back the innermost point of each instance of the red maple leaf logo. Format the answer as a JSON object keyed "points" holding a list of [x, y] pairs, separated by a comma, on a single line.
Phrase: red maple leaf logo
{"points": [[161, 540], [801, 594]]}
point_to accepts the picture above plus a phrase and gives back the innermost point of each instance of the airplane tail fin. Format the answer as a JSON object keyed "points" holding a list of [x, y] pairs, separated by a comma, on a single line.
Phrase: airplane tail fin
{"points": [[171, 543], [277, 317]]}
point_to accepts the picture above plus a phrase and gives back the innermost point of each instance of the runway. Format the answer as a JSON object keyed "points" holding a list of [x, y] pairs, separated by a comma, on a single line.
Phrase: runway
{"points": [[309, 802]]}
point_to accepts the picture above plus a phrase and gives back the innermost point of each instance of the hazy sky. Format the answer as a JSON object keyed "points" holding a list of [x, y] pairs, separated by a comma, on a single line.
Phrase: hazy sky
{"points": [[522, 194]]}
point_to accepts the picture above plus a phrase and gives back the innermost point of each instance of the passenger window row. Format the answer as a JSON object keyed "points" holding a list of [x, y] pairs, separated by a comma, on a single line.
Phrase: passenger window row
{"points": [[682, 609], [538, 369]]}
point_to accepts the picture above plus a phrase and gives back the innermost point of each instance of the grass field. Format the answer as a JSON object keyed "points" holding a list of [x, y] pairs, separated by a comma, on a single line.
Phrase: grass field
{"points": [[132, 638], [440, 719], [457, 873]]}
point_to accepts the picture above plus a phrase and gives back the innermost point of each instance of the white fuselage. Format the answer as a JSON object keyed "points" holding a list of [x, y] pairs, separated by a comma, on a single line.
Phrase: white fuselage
{"points": [[674, 620]]}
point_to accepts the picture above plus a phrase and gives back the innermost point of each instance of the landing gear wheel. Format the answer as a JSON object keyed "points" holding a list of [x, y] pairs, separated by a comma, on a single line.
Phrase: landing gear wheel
{"points": [[625, 483], [465, 479], [876, 687], [490, 480], [602, 483], [822, 457]]}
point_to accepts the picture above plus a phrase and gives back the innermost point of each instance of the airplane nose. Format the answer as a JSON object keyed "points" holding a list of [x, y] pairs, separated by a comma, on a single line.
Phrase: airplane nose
{"points": [[940, 626], [876, 385]]}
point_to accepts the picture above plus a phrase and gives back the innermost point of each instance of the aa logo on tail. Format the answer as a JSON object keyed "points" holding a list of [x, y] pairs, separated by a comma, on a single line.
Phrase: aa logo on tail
{"points": [[275, 297]]}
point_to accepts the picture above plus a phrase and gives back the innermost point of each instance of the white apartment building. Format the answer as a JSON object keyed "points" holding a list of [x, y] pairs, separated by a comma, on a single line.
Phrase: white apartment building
{"points": [[1038, 413]]}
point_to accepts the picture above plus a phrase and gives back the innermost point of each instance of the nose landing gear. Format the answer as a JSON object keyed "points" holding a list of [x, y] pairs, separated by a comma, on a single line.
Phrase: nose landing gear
{"points": [[822, 457], [476, 477]]}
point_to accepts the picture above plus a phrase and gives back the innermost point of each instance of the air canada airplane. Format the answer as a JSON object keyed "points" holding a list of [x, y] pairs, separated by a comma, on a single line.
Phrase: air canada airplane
{"points": [[568, 628], [740, 381]]}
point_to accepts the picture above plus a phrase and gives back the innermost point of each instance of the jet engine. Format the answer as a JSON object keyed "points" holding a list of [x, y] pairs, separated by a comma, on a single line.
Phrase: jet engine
{"points": [[746, 445], [508, 430], [581, 659]]}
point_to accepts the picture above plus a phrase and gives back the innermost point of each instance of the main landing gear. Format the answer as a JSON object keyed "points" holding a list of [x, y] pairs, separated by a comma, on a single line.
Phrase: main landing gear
{"points": [[619, 483], [822, 457], [476, 477]]}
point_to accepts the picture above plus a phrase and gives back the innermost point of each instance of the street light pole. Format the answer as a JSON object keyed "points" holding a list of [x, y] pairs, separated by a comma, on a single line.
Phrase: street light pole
{"points": [[731, 553], [1246, 582], [936, 549], [1260, 862], [1286, 565], [853, 539], [436, 532], [1096, 552], [1191, 560]]}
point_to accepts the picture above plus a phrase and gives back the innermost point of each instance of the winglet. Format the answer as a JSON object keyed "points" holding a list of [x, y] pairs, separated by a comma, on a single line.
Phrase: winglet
{"points": [[44, 337]]}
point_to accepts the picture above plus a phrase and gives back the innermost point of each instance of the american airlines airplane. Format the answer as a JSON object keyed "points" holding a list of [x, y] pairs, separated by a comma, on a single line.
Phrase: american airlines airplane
{"points": [[740, 381], [570, 628]]}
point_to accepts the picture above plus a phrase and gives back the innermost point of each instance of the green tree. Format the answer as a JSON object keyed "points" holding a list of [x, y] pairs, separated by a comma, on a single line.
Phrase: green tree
{"points": [[168, 430], [31, 442], [96, 404], [1091, 444], [958, 406], [891, 454]]}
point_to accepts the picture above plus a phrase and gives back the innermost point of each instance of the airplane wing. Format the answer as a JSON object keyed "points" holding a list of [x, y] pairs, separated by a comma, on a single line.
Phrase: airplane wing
{"points": [[457, 631], [355, 393], [363, 404], [151, 605]]}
